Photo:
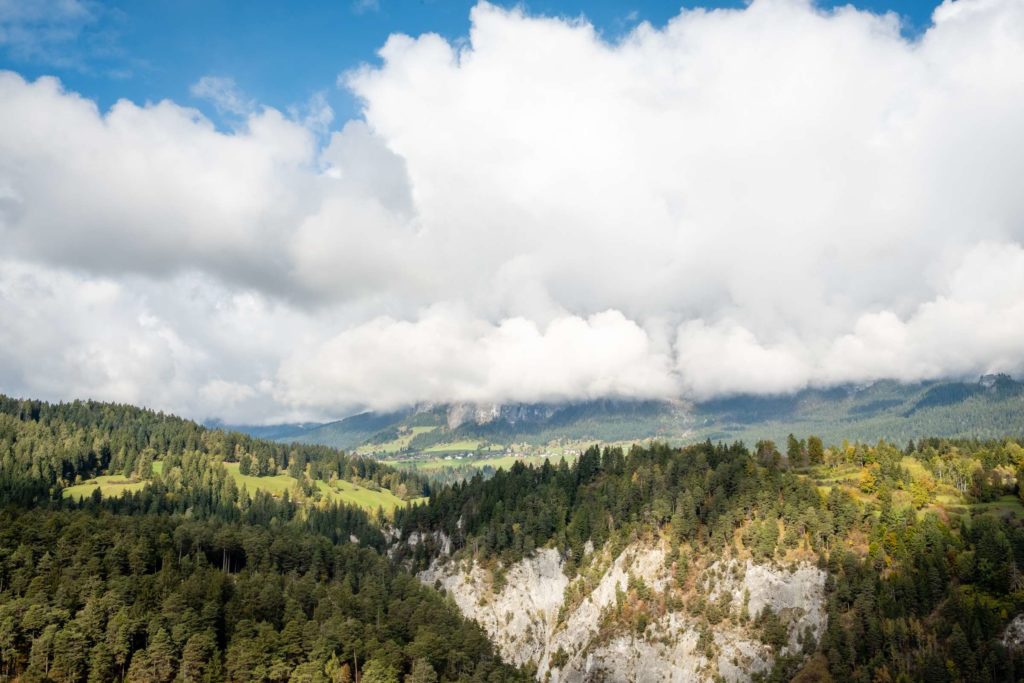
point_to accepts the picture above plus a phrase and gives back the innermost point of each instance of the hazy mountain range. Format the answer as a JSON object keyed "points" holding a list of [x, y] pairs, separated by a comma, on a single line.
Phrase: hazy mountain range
{"points": [[992, 406]]}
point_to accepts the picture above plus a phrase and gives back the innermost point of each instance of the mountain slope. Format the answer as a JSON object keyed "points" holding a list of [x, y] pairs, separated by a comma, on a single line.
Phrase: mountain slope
{"points": [[192, 577], [708, 562], [714, 563], [347, 433], [89, 448], [989, 408]]}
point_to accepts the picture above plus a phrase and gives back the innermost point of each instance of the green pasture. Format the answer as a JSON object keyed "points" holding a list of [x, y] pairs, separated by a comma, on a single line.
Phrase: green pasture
{"points": [[396, 445], [111, 486], [339, 491]]}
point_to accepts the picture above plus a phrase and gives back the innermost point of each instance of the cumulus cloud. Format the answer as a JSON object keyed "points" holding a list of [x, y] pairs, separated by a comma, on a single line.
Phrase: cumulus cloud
{"points": [[158, 190], [456, 356], [752, 200], [190, 345]]}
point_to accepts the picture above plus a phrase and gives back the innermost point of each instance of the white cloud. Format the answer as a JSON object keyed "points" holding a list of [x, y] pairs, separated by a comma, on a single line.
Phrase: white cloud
{"points": [[189, 345], [449, 354], [727, 358], [225, 95], [158, 190], [744, 200], [971, 326]]}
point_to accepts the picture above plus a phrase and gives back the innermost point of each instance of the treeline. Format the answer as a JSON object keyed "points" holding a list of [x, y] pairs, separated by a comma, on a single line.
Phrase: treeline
{"points": [[45, 447], [89, 595], [916, 591]]}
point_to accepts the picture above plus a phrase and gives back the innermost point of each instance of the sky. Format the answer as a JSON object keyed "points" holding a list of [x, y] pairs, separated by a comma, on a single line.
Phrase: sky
{"points": [[263, 212], [280, 54]]}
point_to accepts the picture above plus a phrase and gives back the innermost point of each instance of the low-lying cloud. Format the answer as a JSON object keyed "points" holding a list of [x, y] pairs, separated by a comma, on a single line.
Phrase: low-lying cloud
{"points": [[753, 200]]}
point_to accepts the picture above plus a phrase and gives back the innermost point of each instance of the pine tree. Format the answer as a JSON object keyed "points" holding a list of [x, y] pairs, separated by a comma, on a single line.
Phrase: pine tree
{"points": [[377, 671], [422, 672]]}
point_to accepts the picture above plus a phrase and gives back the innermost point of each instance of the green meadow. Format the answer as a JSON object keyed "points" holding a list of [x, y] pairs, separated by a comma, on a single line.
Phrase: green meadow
{"points": [[497, 462], [111, 486], [339, 491], [463, 446], [396, 445]]}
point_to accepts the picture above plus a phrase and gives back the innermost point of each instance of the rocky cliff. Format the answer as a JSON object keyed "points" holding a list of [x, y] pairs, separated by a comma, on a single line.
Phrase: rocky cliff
{"points": [[633, 618]]}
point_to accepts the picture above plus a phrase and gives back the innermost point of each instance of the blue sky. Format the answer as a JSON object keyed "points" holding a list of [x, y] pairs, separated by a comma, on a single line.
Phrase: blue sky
{"points": [[278, 53]]}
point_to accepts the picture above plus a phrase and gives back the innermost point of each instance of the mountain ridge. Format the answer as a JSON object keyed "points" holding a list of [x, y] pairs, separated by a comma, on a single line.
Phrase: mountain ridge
{"points": [[989, 407]]}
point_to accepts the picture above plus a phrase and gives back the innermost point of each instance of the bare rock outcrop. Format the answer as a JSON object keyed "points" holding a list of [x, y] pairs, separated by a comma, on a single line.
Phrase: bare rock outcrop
{"points": [[524, 610], [520, 616], [1013, 636]]}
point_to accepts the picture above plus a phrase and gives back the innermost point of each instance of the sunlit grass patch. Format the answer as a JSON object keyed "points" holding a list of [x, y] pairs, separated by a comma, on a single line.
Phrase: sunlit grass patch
{"points": [[276, 484], [111, 486], [338, 491], [396, 445]]}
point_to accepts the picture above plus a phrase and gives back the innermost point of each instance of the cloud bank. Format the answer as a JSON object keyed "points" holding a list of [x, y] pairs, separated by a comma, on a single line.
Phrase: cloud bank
{"points": [[753, 200]]}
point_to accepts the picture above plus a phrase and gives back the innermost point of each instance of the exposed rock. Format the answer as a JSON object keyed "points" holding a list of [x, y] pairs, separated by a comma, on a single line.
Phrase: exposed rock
{"points": [[1013, 636], [521, 616], [463, 413], [510, 415], [629, 658], [441, 542], [459, 414], [797, 596], [438, 541]]}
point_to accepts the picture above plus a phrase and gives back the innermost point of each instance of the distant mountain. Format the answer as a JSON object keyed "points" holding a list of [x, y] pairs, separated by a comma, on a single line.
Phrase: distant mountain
{"points": [[352, 431], [991, 407], [346, 433], [278, 432]]}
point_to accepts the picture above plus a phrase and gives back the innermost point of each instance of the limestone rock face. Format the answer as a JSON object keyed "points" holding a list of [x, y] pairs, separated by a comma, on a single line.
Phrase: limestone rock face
{"points": [[523, 610], [1013, 637], [519, 617]]}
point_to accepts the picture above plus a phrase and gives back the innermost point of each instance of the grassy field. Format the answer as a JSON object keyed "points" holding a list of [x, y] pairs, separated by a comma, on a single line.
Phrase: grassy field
{"points": [[498, 462], [346, 491], [275, 485], [464, 446], [395, 445], [339, 492], [111, 486]]}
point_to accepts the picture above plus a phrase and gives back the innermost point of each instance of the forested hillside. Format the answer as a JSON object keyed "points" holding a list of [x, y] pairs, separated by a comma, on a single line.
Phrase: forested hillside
{"points": [[190, 578], [96, 596], [923, 545], [45, 448]]}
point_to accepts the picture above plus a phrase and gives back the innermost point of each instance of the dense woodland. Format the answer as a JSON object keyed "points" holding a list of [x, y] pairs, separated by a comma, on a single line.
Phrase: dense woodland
{"points": [[92, 595], [192, 579], [917, 590], [44, 447]]}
